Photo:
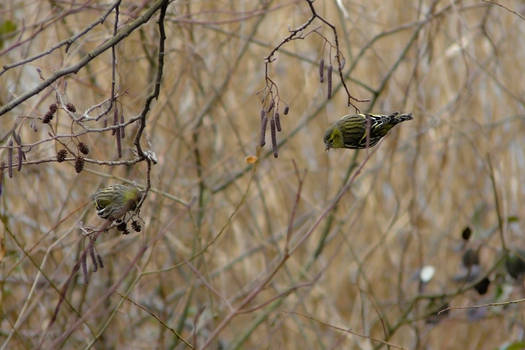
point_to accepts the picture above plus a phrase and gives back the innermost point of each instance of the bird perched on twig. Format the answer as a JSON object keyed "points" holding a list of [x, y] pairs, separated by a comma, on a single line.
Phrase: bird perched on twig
{"points": [[351, 130], [113, 202]]}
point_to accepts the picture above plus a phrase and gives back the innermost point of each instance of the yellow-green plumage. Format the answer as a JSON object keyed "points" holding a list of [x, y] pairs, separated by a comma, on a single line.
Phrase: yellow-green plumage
{"points": [[351, 130], [113, 202]]}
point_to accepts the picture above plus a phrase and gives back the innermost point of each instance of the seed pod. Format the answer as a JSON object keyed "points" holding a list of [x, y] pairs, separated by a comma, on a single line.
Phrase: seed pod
{"points": [[272, 104], [83, 262], [79, 164], [17, 138], [274, 138], [286, 110], [264, 123], [321, 71], [71, 107], [83, 148], [470, 258], [100, 263], [61, 155], [330, 69], [92, 255], [21, 156], [482, 286], [47, 118], [10, 158], [515, 264], [466, 233], [277, 122], [53, 107]]}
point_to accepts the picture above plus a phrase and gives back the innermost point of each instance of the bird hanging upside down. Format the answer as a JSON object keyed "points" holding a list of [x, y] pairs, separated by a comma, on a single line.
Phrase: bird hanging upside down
{"points": [[350, 130]]}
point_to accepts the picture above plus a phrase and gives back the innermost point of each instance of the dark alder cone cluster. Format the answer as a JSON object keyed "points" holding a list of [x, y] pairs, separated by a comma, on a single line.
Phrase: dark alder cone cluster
{"points": [[482, 286], [50, 113], [61, 155], [123, 228], [83, 148], [71, 107], [79, 164], [470, 258], [515, 263], [466, 233]]}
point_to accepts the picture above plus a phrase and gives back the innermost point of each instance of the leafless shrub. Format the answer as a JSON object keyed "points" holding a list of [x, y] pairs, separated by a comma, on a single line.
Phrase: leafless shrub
{"points": [[229, 247]]}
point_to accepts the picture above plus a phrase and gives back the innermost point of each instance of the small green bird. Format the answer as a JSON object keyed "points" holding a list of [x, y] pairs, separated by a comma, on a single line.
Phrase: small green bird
{"points": [[113, 202], [350, 130]]}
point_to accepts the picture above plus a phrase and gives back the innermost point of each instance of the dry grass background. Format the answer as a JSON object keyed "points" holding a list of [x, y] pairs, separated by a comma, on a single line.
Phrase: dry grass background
{"points": [[457, 66]]}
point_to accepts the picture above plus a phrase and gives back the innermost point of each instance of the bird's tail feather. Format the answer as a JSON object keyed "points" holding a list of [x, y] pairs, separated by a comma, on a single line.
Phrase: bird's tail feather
{"points": [[398, 118]]}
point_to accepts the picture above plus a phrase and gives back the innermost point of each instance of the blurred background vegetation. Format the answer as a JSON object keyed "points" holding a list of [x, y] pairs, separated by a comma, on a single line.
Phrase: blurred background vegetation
{"points": [[436, 208]]}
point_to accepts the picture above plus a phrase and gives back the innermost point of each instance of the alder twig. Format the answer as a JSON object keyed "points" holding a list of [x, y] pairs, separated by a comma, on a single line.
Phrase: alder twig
{"points": [[122, 34]]}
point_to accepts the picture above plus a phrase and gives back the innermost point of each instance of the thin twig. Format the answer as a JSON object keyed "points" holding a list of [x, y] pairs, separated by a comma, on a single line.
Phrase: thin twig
{"points": [[346, 330], [68, 42], [501, 221], [506, 8], [151, 313], [501, 303]]}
